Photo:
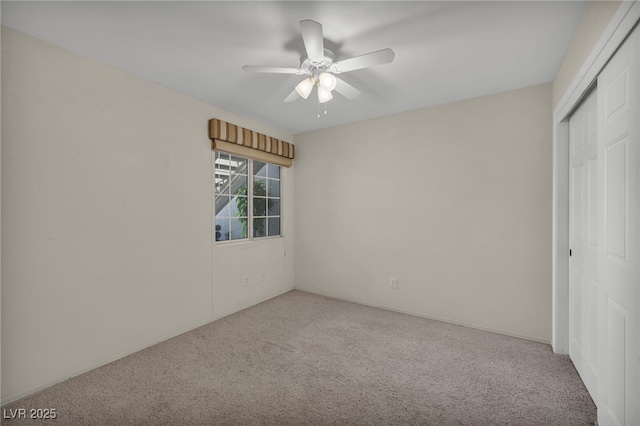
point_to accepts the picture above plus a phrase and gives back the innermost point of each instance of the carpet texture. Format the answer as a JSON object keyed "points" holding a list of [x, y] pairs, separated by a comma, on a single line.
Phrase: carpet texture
{"points": [[303, 359]]}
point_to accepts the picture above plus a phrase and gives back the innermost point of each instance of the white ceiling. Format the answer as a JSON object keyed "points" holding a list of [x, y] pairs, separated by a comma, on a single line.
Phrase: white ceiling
{"points": [[445, 51]]}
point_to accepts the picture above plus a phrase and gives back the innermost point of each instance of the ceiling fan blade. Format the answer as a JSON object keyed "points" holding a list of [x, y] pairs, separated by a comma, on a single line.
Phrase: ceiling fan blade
{"points": [[293, 96], [313, 40], [347, 90], [378, 57], [275, 70]]}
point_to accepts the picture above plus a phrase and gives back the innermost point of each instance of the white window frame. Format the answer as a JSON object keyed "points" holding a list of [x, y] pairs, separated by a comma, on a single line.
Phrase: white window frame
{"points": [[250, 197]]}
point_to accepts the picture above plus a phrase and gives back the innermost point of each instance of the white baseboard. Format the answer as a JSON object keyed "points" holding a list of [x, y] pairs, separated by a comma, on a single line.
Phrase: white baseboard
{"points": [[431, 317]]}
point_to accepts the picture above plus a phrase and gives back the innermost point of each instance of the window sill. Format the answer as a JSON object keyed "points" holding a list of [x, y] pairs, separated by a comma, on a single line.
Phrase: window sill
{"points": [[246, 241]]}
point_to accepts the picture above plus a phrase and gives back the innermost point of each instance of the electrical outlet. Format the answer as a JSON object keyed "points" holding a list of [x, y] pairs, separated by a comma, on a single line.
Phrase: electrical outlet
{"points": [[393, 282], [246, 280]]}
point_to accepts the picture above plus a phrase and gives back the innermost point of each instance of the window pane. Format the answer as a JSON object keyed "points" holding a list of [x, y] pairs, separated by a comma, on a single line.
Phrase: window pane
{"points": [[222, 161], [274, 226], [238, 164], [274, 188], [238, 230], [221, 172], [222, 230], [239, 185], [259, 206], [259, 168], [222, 205], [273, 171], [218, 182], [239, 206], [260, 187], [230, 178], [274, 207], [259, 226]]}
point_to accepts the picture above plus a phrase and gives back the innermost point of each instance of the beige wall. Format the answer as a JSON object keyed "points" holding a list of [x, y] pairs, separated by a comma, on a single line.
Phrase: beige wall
{"points": [[106, 216], [454, 201], [594, 21]]}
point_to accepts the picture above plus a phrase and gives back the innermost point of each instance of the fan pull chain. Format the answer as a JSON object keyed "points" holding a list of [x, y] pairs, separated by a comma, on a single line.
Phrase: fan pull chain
{"points": [[325, 109]]}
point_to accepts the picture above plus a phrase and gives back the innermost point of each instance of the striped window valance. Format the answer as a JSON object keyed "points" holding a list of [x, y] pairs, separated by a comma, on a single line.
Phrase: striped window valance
{"points": [[240, 141]]}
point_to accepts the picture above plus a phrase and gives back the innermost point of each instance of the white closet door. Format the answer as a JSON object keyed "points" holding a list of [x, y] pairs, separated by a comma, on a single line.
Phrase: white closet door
{"points": [[619, 237], [583, 237]]}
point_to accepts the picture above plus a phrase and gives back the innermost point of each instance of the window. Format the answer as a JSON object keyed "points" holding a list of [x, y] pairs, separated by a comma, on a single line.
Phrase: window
{"points": [[244, 209]]}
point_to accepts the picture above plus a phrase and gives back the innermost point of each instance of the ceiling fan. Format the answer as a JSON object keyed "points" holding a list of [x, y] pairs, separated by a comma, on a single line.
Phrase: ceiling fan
{"points": [[321, 67]]}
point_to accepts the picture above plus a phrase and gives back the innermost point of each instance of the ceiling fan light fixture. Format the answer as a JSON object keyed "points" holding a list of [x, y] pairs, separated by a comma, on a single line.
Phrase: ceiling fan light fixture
{"points": [[324, 95], [305, 87], [328, 81], [321, 68]]}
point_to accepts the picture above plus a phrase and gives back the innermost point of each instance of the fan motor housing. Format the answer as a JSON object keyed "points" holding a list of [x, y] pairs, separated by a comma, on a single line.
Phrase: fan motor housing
{"points": [[313, 67]]}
